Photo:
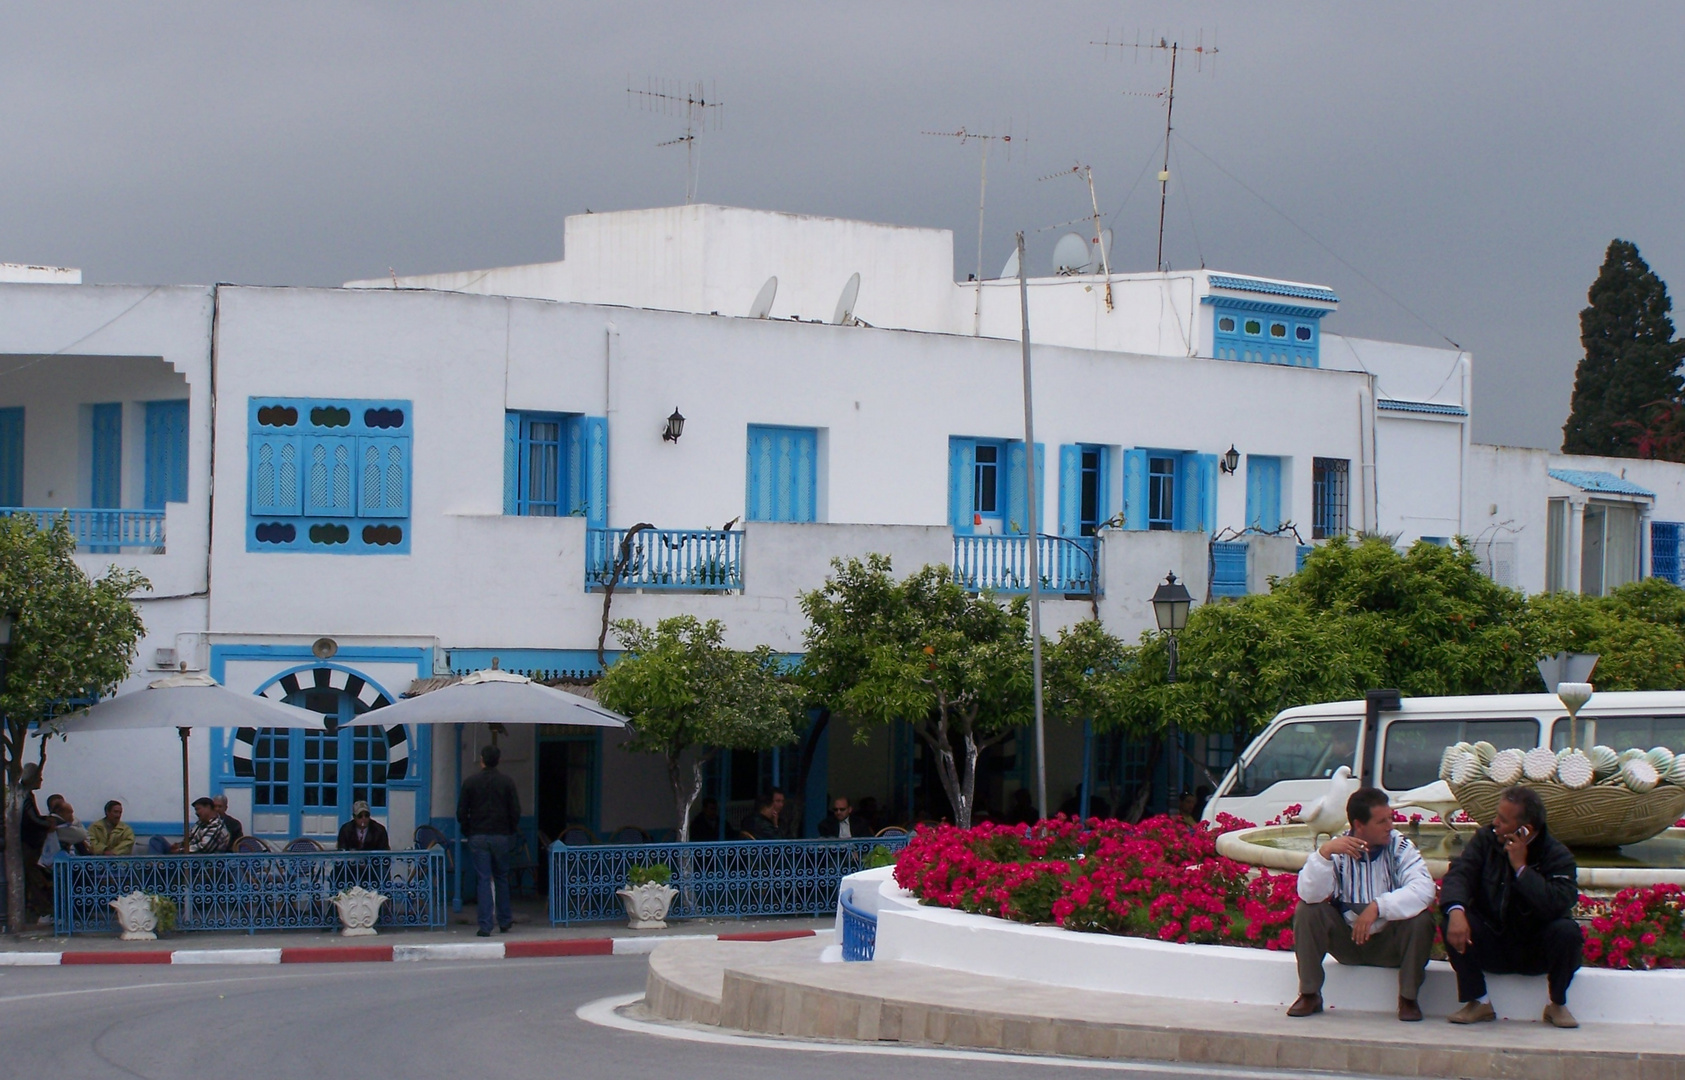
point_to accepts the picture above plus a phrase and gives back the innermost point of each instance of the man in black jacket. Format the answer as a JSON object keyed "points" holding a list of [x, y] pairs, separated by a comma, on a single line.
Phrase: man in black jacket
{"points": [[489, 814], [1508, 901]]}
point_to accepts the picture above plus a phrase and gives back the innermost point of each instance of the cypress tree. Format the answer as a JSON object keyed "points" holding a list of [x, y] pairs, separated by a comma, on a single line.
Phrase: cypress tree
{"points": [[1631, 367]]}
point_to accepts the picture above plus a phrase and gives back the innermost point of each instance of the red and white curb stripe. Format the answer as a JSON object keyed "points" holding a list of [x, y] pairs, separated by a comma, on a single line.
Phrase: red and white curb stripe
{"points": [[353, 954]]}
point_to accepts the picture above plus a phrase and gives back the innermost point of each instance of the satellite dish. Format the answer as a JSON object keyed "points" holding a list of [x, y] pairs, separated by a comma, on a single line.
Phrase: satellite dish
{"points": [[1070, 255], [845, 302], [1010, 270], [762, 307]]}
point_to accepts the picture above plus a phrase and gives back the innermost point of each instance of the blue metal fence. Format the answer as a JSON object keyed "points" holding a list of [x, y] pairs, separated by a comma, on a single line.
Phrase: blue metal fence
{"points": [[678, 560], [104, 529], [1228, 568], [730, 879], [1002, 563], [859, 930], [280, 891]]}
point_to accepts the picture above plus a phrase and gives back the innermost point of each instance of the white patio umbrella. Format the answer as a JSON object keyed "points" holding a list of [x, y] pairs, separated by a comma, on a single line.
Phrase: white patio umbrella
{"points": [[493, 696], [184, 702]]}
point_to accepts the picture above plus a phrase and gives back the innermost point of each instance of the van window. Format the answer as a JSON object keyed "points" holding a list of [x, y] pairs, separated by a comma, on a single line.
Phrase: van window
{"points": [[1626, 732], [1414, 747], [1308, 750]]}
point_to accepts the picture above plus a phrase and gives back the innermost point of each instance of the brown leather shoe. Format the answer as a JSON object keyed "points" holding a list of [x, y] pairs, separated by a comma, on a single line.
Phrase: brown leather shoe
{"points": [[1559, 1016], [1408, 1009], [1307, 1005], [1474, 1012]]}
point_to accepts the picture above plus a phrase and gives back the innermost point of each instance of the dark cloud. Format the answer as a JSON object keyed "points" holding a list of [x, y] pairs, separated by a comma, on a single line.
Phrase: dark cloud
{"points": [[1470, 160]]}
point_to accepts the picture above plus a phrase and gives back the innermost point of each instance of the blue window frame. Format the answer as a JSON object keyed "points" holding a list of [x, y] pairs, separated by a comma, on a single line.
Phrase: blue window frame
{"points": [[320, 773], [11, 457], [166, 453], [556, 465], [1084, 488], [1330, 497], [1262, 332], [988, 485], [1169, 489], [1263, 492], [783, 473], [329, 475], [106, 483]]}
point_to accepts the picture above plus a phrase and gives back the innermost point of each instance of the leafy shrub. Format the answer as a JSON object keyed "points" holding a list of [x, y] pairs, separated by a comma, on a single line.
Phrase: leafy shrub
{"points": [[164, 910], [652, 874], [879, 856]]}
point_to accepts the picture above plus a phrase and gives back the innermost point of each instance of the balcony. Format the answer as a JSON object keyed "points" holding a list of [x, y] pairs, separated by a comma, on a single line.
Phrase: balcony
{"points": [[1068, 565], [669, 560], [101, 530]]}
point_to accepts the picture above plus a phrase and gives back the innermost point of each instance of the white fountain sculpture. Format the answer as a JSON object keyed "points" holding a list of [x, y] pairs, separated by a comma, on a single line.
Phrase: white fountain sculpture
{"points": [[1328, 814]]}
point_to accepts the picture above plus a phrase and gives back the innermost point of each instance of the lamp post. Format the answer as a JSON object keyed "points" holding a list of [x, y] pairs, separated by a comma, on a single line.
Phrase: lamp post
{"points": [[1170, 608]]}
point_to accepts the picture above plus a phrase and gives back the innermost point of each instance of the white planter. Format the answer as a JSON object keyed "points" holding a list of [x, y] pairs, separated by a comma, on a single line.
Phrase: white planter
{"points": [[358, 910], [134, 915], [646, 905]]}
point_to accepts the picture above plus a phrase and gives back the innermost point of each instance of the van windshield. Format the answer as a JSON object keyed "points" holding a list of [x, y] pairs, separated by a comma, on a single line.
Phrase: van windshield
{"points": [[1307, 750], [1627, 732], [1414, 747]]}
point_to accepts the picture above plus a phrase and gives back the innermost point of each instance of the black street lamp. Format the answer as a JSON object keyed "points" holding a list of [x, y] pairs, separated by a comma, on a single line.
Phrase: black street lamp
{"points": [[1170, 607]]}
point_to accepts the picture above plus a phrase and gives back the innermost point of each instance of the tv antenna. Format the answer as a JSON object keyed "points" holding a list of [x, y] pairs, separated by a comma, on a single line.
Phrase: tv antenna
{"points": [[1102, 240], [1173, 49], [982, 191], [700, 108]]}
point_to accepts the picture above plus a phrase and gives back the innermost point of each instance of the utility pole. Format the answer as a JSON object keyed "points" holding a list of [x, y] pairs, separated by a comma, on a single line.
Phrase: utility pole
{"points": [[1033, 497], [982, 192]]}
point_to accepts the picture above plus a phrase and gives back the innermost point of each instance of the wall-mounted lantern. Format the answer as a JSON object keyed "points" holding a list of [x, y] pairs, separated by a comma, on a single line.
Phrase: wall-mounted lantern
{"points": [[675, 426], [1231, 461]]}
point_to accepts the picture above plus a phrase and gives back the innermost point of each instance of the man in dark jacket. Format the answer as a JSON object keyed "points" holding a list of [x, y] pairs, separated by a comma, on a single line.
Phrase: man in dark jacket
{"points": [[489, 814], [1508, 901], [363, 832]]}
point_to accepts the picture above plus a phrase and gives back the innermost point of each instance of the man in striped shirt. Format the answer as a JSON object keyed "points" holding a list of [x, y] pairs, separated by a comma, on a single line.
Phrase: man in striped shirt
{"points": [[1364, 897]]}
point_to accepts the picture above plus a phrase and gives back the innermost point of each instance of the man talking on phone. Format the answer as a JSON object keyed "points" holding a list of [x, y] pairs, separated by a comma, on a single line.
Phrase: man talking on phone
{"points": [[1508, 901]]}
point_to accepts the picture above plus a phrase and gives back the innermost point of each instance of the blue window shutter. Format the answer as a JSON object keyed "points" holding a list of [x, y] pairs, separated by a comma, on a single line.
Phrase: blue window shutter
{"points": [[107, 480], [166, 453], [11, 457], [782, 473], [383, 479], [758, 496], [1196, 502], [962, 460], [1070, 490], [575, 482], [1135, 490], [330, 475], [1017, 486], [1263, 492], [594, 469], [511, 460], [276, 490], [1207, 465], [807, 475], [1103, 500]]}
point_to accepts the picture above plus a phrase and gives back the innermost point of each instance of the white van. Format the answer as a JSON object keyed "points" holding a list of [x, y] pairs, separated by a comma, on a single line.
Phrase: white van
{"points": [[1292, 759]]}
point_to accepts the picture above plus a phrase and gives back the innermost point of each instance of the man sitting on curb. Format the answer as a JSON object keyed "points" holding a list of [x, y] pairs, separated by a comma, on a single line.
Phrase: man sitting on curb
{"points": [[1508, 901], [1364, 897]]}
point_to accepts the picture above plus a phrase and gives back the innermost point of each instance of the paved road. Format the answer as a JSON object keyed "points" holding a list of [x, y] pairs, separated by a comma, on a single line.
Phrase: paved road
{"points": [[511, 1018]]}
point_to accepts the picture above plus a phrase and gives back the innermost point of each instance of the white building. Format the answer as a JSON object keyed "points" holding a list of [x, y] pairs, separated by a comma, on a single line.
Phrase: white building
{"points": [[416, 481]]}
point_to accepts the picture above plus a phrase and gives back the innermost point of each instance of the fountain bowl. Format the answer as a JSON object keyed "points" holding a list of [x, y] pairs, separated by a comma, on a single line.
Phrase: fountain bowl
{"points": [[1599, 816]]}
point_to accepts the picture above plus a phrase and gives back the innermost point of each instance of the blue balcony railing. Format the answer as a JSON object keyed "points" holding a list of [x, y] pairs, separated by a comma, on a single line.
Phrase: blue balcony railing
{"points": [[729, 879], [103, 530], [680, 560], [1067, 565], [268, 891]]}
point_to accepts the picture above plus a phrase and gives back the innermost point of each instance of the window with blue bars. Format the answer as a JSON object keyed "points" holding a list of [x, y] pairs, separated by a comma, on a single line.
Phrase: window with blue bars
{"points": [[556, 465], [782, 473], [11, 456], [327, 475], [320, 772], [1330, 497], [272, 769], [1664, 549]]}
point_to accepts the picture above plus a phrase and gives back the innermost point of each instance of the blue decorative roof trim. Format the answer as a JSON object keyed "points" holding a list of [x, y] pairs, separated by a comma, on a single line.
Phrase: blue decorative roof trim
{"points": [[1265, 307], [1431, 408], [1600, 482], [1274, 288]]}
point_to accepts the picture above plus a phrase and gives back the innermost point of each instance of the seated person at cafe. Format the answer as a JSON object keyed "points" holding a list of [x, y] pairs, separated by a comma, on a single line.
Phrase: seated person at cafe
{"points": [[1364, 897], [71, 835], [705, 825], [762, 823], [110, 835], [362, 832], [1508, 902], [209, 835], [840, 823], [219, 803]]}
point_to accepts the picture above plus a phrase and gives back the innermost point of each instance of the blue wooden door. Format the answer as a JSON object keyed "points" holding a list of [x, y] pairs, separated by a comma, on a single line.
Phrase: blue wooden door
{"points": [[783, 473], [106, 482], [166, 453], [1263, 493]]}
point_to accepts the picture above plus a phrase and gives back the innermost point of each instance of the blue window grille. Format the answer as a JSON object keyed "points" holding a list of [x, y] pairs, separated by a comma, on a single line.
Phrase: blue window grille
{"points": [[1228, 568], [328, 475], [1261, 332], [272, 769], [1263, 493], [783, 473], [1330, 497], [320, 772], [11, 457], [1083, 489], [1664, 549], [166, 453]]}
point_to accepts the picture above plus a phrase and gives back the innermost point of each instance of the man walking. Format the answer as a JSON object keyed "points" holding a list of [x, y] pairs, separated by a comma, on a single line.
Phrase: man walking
{"points": [[489, 814], [1508, 901], [1364, 897]]}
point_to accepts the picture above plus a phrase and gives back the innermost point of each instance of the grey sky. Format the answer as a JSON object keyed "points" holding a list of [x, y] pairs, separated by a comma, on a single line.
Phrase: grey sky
{"points": [[1473, 160]]}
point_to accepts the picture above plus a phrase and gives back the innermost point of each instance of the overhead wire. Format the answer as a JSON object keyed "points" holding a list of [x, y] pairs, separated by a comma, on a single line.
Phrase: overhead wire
{"points": [[43, 357]]}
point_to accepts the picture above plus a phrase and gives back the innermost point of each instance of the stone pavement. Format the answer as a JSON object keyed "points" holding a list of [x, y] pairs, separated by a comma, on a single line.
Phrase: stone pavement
{"points": [[781, 989]]}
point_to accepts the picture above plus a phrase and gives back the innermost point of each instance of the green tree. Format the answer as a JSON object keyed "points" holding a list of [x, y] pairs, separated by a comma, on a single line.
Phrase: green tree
{"points": [[1629, 376], [1638, 631], [923, 650], [72, 638], [687, 694]]}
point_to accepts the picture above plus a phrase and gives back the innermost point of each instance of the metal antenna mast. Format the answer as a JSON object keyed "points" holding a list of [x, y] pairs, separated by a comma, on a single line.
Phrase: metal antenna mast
{"points": [[1087, 173], [982, 191], [700, 111], [1173, 48]]}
